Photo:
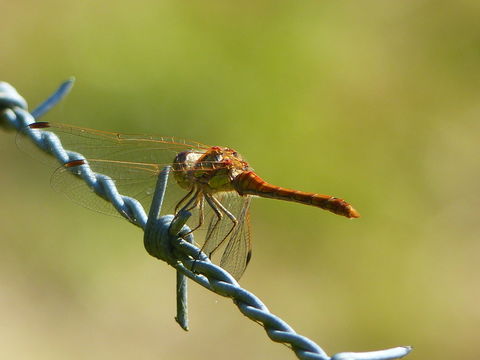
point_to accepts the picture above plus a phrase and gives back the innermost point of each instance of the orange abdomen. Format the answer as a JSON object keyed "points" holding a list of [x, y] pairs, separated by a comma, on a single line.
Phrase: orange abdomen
{"points": [[249, 183]]}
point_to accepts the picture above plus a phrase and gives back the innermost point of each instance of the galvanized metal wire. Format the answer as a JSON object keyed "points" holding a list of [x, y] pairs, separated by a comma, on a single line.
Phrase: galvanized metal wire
{"points": [[163, 235]]}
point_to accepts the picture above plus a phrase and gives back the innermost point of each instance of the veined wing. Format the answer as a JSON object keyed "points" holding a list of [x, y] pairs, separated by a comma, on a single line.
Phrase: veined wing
{"points": [[225, 238], [238, 252], [97, 144], [136, 180], [132, 162]]}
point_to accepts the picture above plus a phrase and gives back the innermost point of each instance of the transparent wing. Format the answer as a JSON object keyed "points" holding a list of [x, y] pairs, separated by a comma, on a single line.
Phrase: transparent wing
{"points": [[134, 180], [238, 252], [96, 144], [225, 237], [133, 162], [29, 147]]}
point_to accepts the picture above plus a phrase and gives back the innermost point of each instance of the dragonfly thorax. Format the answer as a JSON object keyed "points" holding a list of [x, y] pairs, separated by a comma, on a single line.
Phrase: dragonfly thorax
{"points": [[212, 170]]}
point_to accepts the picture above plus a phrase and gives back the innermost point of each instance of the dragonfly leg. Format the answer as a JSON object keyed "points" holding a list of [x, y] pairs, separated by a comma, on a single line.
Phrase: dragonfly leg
{"points": [[212, 226], [197, 200], [191, 204], [183, 199], [201, 216], [219, 210]]}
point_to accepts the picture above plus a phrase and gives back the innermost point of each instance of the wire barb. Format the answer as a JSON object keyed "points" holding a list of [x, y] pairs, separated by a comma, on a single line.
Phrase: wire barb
{"points": [[161, 237]]}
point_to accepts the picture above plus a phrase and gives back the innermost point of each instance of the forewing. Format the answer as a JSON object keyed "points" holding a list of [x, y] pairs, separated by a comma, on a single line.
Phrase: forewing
{"points": [[96, 144], [131, 161]]}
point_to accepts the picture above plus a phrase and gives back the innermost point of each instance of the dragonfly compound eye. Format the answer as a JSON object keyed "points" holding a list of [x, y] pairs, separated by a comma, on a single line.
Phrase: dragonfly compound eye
{"points": [[181, 157]]}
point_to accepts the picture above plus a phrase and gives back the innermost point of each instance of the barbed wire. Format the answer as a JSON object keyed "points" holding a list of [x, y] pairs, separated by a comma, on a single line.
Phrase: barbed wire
{"points": [[164, 236]]}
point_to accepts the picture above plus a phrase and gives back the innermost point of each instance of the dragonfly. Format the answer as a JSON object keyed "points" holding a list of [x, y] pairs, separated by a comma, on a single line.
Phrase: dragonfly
{"points": [[214, 183]]}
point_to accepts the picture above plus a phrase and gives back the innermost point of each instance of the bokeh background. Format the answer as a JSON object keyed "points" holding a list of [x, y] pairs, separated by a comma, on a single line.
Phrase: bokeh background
{"points": [[376, 102]]}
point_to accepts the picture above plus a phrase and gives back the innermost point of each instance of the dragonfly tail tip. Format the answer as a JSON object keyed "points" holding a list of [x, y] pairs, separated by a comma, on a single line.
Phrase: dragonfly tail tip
{"points": [[352, 213]]}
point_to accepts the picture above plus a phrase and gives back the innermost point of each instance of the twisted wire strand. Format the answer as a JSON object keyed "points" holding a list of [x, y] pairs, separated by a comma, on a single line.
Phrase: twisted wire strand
{"points": [[17, 117], [159, 239]]}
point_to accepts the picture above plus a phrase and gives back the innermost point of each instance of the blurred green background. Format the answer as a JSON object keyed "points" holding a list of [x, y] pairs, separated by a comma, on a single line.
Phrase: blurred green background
{"points": [[375, 102]]}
